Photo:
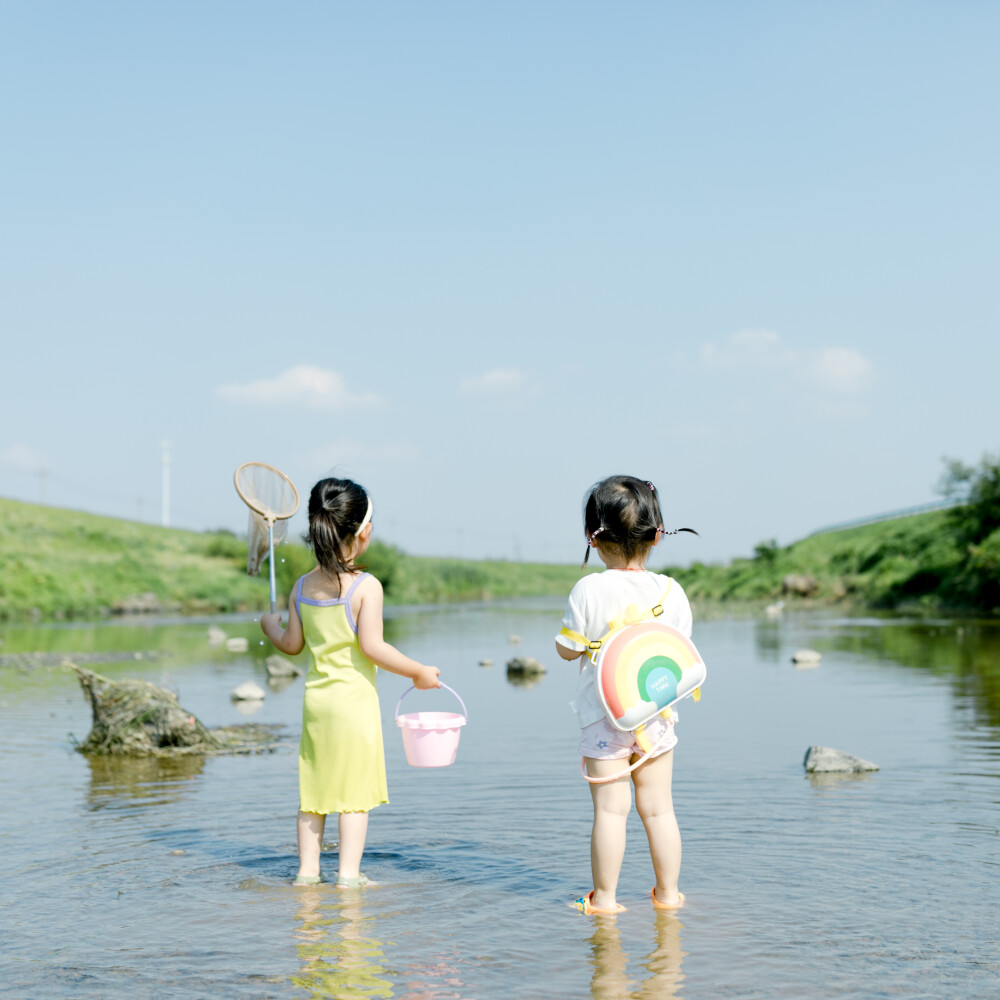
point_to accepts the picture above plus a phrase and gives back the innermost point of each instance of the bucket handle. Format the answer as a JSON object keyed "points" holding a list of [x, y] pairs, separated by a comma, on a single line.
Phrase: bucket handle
{"points": [[465, 711]]}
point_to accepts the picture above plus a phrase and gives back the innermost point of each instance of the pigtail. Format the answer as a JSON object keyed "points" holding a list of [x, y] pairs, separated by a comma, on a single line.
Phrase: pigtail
{"points": [[625, 511]]}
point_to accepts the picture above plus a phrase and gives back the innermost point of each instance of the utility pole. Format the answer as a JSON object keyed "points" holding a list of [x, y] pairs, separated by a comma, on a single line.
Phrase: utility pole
{"points": [[165, 505]]}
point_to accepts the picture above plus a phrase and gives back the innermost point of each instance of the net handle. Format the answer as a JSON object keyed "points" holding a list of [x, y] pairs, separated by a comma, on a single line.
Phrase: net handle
{"points": [[270, 567], [266, 514]]}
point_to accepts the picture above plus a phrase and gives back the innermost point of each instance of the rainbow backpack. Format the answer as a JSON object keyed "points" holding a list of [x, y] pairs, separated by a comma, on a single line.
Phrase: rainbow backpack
{"points": [[641, 668]]}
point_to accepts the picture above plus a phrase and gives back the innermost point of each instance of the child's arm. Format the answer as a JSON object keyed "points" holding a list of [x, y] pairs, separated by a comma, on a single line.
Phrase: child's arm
{"points": [[288, 640], [574, 623], [380, 652]]}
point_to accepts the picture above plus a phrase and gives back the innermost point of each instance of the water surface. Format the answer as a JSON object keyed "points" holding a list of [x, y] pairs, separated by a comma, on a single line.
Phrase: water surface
{"points": [[157, 879]]}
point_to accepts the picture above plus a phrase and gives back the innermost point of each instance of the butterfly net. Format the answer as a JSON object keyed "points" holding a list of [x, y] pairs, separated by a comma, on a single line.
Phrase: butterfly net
{"points": [[272, 499]]}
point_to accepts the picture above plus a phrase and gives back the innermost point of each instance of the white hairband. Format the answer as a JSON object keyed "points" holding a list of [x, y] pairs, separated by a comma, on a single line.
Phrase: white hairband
{"points": [[365, 519]]}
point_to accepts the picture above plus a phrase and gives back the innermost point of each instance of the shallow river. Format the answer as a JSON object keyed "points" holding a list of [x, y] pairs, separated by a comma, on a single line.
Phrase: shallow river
{"points": [[146, 879]]}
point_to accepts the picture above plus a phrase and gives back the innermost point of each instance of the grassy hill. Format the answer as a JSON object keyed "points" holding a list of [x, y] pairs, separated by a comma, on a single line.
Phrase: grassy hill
{"points": [[58, 563], [914, 562]]}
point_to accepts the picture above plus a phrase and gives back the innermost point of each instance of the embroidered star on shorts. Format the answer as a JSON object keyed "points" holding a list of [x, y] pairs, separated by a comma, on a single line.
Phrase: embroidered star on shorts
{"points": [[602, 744]]}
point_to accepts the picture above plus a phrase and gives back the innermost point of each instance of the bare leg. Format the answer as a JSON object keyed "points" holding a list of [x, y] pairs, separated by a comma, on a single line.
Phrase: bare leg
{"points": [[655, 805], [353, 831], [310, 830], [612, 802]]}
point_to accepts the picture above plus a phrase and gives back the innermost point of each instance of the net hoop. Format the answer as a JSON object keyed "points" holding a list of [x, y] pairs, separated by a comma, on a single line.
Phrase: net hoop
{"points": [[255, 503]]}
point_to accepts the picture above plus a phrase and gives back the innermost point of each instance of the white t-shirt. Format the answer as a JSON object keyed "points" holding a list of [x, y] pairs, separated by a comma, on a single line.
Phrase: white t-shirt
{"points": [[598, 599]]}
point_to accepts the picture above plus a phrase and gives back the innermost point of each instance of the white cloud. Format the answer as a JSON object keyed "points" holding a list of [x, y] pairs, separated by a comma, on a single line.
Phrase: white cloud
{"points": [[23, 458], [839, 370], [756, 347], [305, 386], [842, 369], [498, 382]]}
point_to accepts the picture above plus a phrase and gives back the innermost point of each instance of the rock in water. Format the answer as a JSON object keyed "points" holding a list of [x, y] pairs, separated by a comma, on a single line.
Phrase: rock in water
{"points": [[279, 666], [137, 719], [247, 691], [807, 658], [524, 666], [823, 760]]}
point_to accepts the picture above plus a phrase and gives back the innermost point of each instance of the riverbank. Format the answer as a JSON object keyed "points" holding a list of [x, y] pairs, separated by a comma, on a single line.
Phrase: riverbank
{"points": [[57, 564], [912, 563]]}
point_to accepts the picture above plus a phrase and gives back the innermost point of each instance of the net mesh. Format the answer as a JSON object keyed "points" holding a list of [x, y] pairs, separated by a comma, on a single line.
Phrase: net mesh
{"points": [[266, 491], [257, 547], [271, 498]]}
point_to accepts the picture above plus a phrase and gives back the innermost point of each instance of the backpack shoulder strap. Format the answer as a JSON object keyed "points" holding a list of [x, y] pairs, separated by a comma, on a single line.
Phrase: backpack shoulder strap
{"points": [[574, 636], [631, 616]]}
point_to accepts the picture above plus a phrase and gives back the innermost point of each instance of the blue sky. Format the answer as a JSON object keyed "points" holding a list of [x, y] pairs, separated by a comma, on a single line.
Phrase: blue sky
{"points": [[478, 256]]}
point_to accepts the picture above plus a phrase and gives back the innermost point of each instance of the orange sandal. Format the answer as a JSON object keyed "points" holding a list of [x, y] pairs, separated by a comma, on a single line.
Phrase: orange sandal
{"points": [[585, 904], [666, 906]]}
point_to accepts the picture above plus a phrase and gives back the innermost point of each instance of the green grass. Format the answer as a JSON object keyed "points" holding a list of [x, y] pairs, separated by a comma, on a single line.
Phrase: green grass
{"points": [[912, 563], [58, 563]]}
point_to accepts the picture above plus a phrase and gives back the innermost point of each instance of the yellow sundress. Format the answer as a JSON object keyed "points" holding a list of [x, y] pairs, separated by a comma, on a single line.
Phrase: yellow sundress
{"points": [[341, 757]]}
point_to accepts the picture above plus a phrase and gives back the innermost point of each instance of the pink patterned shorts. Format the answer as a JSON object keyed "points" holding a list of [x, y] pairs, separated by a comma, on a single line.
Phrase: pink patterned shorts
{"points": [[601, 741]]}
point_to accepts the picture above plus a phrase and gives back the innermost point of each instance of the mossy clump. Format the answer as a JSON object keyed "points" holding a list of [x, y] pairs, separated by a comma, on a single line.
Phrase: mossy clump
{"points": [[137, 719]]}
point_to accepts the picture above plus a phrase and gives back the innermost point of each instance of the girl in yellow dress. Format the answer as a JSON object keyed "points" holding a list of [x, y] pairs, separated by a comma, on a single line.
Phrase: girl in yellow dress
{"points": [[336, 611]]}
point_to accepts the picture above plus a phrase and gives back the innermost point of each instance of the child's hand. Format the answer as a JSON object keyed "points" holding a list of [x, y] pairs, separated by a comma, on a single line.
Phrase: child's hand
{"points": [[427, 678], [270, 623]]}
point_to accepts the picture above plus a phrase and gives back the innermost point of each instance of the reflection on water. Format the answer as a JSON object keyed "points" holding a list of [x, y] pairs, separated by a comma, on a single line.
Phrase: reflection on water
{"points": [[433, 980], [664, 963], [342, 956], [339, 956], [768, 640], [835, 779], [969, 651], [139, 781], [610, 962], [523, 680]]}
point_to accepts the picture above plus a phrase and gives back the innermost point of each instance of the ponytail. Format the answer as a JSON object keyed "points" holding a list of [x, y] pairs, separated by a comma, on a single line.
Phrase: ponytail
{"points": [[338, 511]]}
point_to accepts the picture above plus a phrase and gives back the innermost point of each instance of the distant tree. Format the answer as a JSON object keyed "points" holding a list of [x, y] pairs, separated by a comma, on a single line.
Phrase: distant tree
{"points": [[977, 489], [766, 552]]}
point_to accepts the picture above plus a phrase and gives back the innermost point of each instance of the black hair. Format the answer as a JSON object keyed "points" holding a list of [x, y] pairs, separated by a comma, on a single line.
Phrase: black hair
{"points": [[623, 513], [336, 509]]}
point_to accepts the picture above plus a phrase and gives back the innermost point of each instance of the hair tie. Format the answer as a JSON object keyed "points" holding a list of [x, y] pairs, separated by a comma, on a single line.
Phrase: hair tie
{"points": [[590, 538], [650, 485], [663, 531]]}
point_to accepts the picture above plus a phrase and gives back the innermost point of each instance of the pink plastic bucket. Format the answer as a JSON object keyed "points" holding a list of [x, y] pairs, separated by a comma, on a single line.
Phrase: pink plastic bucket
{"points": [[430, 739]]}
